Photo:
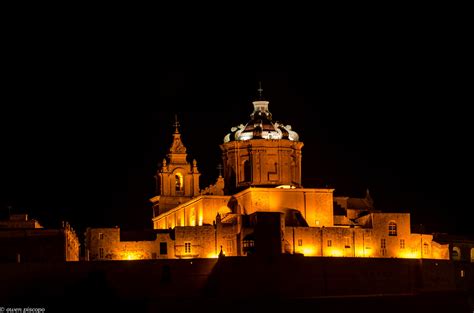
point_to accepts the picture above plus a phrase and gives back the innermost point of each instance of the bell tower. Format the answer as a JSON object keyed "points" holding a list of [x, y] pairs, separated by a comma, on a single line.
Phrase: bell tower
{"points": [[262, 152], [177, 180]]}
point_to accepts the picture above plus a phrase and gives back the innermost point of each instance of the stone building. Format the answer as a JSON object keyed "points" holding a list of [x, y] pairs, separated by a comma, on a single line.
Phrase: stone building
{"points": [[25, 240], [461, 248], [260, 206]]}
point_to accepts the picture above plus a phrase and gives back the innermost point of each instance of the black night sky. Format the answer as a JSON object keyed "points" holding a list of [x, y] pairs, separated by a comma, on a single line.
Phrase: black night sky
{"points": [[81, 141]]}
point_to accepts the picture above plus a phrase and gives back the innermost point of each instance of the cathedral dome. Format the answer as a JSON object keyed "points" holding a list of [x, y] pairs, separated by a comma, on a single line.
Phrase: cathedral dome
{"points": [[261, 126]]}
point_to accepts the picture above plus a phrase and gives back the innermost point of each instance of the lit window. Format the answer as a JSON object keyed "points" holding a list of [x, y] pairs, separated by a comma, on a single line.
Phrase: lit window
{"points": [[101, 236], [402, 243], [329, 243], [456, 254], [248, 243], [179, 182], [163, 248], [300, 242], [187, 247], [101, 253], [392, 229]]}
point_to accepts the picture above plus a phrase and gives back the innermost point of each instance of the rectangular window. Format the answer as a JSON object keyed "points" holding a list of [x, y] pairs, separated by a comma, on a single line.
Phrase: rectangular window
{"points": [[392, 229], [101, 236], [153, 255], [317, 222], [230, 246], [163, 248], [329, 243], [300, 242], [187, 247], [402, 243], [248, 243], [101, 253], [383, 243]]}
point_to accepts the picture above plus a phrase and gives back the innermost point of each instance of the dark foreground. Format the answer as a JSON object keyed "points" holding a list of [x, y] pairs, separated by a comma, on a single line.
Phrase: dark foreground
{"points": [[447, 302], [240, 284]]}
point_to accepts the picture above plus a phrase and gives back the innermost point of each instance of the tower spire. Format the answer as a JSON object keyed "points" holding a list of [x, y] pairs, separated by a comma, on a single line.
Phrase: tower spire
{"points": [[260, 91], [177, 146], [176, 124]]}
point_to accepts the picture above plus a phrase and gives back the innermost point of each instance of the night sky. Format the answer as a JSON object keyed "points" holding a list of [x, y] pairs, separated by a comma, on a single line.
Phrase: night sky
{"points": [[83, 142]]}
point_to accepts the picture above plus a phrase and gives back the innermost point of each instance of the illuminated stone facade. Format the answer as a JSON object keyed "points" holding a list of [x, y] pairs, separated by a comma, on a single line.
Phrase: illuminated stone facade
{"points": [[25, 240], [260, 206], [177, 181], [261, 153]]}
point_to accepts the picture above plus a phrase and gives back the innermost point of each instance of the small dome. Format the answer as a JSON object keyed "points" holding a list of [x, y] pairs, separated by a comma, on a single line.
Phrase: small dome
{"points": [[261, 126]]}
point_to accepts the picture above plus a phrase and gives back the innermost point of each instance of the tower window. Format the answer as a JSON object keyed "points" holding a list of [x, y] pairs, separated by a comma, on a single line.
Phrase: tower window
{"points": [[392, 229], [179, 182]]}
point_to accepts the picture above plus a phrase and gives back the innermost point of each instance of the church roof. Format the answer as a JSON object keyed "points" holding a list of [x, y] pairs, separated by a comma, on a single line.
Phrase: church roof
{"points": [[261, 126]]}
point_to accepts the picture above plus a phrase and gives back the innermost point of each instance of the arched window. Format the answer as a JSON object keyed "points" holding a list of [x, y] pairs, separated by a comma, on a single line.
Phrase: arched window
{"points": [[392, 229], [179, 182], [247, 171], [456, 254]]}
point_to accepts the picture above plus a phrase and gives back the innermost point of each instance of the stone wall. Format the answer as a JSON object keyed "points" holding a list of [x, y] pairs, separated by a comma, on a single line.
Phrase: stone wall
{"points": [[38, 245], [270, 162], [236, 282], [359, 242], [315, 205], [105, 244]]}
